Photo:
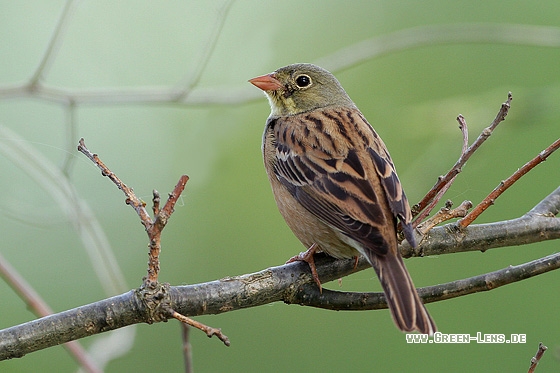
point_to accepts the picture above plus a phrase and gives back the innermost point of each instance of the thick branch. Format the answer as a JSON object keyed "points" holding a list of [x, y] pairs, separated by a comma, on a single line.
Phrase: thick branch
{"points": [[95, 318], [40, 308], [449, 238], [292, 283]]}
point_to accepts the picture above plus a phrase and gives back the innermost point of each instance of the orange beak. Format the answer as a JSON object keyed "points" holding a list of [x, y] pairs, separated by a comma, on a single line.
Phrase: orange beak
{"points": [[266, 82]]}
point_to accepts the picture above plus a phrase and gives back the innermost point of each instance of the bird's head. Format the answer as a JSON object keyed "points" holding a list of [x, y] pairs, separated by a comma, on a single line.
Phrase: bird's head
{"points": [[299, 88]]}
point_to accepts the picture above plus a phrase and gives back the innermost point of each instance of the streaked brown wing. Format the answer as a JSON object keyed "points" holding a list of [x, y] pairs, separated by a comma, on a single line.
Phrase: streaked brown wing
{"points": [[391, 184], [335, 165]]}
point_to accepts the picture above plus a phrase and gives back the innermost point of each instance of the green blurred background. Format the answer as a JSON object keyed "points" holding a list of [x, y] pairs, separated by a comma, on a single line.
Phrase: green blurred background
{"points": [[227, 223]]}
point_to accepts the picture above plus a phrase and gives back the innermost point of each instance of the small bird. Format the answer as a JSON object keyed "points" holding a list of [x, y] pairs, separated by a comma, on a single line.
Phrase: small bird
{"points": [[335, 183]]}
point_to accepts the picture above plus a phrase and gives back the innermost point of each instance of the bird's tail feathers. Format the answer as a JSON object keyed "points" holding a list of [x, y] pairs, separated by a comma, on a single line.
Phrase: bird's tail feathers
{"points": [[408, 311]]}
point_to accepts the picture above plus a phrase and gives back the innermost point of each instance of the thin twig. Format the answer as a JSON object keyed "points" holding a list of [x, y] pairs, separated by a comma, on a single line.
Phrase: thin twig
{"points": [[210, 332], [155, 202], [131, 199], [167, 210], [504, 185], [428, 209], [444, 214], [465, 131], [154, 234], [140, 208], [159, 222], [535, 360], [443, 181]]}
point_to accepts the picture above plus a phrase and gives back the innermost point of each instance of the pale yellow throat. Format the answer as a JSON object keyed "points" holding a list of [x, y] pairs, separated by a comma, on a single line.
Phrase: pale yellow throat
{"points": [[282, 106]]}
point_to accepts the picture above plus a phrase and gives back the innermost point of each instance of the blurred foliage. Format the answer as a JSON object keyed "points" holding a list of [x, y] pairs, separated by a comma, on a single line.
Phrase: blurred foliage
{"points": [[227, 222]]}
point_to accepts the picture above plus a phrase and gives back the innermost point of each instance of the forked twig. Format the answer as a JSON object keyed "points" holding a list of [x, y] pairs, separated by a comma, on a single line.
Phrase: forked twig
{"points": [[430, 206], [444, 214], [424, 207], [444, 181], [153, 227], [151, 293]]}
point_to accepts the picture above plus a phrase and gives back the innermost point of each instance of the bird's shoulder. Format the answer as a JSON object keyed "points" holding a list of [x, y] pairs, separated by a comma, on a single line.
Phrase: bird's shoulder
{"points": [[339, 138]]}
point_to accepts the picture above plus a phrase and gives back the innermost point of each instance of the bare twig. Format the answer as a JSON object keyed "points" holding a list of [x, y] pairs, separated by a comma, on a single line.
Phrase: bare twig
{"points": [[167, 210], [444, 214], [430, 206], [210, 332], [153, 228], [131, 199], [160, 220], [153, 293], [535, 360], [465, 131], [154, 234], [443, 181], [504, 185], [155, 202]]}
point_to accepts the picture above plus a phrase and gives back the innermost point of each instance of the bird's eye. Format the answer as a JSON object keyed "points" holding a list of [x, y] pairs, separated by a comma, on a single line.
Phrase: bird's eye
{"points": [[303, 81]]}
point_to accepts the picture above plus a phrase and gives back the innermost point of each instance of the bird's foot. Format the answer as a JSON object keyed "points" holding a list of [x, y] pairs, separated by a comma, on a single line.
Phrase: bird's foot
{"points": [[307, 256]]}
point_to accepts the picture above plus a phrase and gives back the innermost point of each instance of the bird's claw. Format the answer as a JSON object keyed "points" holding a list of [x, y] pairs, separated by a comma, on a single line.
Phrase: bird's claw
{"points": [[307, 256]]}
